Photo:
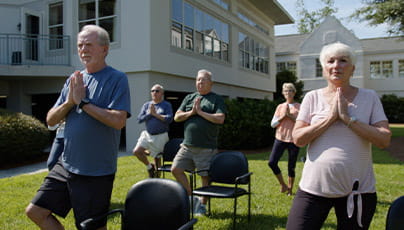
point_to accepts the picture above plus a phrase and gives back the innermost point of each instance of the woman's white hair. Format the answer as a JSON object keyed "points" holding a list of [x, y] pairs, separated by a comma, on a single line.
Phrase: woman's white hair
{"points": [[288, 85], [337, 48]]}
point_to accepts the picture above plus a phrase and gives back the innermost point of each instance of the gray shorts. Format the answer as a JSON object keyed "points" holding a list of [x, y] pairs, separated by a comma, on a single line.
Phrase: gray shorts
{"points": [[189, 158]]}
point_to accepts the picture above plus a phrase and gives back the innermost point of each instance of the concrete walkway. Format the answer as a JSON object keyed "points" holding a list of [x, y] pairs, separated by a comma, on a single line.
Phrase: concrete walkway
{"points": [[35, 168]]}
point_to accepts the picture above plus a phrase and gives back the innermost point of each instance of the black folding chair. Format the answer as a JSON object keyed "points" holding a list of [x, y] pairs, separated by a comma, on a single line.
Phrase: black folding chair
{"points": [[153, 203], [395, 215], [228, 168], [170, 150]]}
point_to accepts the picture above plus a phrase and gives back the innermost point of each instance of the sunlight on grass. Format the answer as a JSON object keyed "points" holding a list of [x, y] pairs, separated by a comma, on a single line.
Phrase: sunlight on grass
{"points": [[269, 208]]}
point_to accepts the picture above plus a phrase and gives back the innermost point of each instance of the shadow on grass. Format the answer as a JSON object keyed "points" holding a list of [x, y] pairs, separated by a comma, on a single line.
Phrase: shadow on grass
{"points": [[257, 222]]}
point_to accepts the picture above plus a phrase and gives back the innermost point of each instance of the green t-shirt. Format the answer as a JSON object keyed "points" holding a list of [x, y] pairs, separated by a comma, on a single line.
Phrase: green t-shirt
{"points": [[199, 132]]}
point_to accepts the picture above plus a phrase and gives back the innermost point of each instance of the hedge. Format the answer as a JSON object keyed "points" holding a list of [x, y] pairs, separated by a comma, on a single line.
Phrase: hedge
{"points": [[247, 124], [22, 138], [393, 107]]}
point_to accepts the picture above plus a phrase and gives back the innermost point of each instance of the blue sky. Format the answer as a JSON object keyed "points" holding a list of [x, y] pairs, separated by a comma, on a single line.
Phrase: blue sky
{"points": [[345, 8]]}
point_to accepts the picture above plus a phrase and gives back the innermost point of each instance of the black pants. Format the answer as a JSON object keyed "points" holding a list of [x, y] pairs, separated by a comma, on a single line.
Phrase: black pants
{"points": [[309, 211], [276, 154]]}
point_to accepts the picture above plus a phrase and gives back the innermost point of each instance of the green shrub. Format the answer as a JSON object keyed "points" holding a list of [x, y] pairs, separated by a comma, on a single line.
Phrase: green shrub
{"points": [[247, 124], [22, 137], [393, 107]]}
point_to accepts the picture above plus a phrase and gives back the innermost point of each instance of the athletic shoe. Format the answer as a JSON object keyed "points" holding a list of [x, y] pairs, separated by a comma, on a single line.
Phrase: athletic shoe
{"points": [[152, 171], [201, 210]]}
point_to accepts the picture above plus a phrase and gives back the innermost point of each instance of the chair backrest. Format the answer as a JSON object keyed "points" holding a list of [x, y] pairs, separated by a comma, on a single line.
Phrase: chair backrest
{"points": [[171, 148], [226, 166], [395, 215], [156, 204]]}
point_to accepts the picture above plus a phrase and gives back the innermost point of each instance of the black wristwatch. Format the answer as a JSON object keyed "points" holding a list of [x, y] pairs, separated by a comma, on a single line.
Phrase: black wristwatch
{"points": [[83, 102]]}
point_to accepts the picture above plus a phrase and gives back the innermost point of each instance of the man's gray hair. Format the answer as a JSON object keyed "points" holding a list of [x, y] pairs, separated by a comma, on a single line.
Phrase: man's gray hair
{"points": [[206, 73], [103, 36], [159, 86]]}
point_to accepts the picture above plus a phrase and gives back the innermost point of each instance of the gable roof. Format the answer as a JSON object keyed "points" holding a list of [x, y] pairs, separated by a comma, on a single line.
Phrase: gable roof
{"points": [[289, 44]]}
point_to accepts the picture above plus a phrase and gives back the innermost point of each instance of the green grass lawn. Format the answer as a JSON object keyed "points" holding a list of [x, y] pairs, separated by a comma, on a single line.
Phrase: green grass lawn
{"points": [[269, 208]]}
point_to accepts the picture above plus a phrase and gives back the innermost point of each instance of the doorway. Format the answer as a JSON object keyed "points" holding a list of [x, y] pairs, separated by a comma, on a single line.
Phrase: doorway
{"points": [[32, 36]]}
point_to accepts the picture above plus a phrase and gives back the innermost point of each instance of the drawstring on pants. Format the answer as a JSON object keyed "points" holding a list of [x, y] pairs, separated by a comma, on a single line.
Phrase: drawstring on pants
{"points": [[350, 203]]}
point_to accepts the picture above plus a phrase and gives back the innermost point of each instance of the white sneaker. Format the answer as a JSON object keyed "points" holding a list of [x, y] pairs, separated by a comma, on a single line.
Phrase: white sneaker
{"points": [[201, 210]]}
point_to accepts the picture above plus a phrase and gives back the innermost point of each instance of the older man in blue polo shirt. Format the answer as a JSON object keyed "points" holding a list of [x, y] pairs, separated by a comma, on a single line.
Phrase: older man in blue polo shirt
{"points": [[157, 115]]}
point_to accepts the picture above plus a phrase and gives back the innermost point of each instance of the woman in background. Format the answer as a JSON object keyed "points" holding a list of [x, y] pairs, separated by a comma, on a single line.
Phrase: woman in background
{"points": [[284, 121]]}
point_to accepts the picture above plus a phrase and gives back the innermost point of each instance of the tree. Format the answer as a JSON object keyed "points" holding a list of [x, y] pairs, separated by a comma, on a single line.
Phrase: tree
{"points": [[383, 11], [287, 76], [308, 21]]}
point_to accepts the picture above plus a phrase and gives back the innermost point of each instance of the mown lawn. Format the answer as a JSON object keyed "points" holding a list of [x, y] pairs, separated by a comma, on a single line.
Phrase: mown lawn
{"points": [[269, 207]]}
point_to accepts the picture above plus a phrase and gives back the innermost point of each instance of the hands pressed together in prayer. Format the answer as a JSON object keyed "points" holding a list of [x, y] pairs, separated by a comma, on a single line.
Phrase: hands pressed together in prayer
{"points": [[77, 89], [339, 108]]}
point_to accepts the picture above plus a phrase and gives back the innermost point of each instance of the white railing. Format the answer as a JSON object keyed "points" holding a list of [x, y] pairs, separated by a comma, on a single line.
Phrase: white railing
{"points": [[34, 49]]}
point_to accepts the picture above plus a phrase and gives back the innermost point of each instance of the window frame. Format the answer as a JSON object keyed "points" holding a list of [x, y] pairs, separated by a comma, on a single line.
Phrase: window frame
{"points": [[55, 43], [97, 18], [208, 42], [378, 69], [253, 55]]}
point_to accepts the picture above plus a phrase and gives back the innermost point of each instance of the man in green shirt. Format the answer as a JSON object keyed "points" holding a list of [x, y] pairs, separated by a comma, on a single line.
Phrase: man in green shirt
{"points": [[203, 112]]}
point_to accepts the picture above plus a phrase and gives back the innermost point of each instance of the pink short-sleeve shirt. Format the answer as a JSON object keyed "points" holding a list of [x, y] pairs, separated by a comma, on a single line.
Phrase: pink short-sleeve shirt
{"points": [[339, 157]]}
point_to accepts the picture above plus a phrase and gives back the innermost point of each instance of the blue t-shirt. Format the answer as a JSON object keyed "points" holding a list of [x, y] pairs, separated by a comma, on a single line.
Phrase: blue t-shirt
{"points": [[153, 124], [91, 147]]}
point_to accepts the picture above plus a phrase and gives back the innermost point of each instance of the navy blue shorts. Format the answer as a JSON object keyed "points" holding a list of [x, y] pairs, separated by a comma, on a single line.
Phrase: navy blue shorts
{"points": [[88, 196]]}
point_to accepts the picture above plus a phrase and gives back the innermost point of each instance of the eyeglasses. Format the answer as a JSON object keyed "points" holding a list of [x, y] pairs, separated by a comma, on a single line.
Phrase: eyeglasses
{"points": [[288, 91], [155, 91]]}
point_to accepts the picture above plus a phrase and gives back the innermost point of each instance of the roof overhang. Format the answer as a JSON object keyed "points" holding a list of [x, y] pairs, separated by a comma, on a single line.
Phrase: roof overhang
{"points": [[274, 10]]}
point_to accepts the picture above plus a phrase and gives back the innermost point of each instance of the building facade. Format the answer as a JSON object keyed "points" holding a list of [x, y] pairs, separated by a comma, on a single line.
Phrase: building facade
{"points": [[379, 66], [153, 41]]}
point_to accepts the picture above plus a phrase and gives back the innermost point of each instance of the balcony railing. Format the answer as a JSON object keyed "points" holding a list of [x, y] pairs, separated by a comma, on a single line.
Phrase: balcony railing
{"points": [[34, 49]]}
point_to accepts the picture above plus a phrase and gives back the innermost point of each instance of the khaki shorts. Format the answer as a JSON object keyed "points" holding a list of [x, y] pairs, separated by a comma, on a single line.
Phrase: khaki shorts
{"points": [[153, 143], [189, 158]]}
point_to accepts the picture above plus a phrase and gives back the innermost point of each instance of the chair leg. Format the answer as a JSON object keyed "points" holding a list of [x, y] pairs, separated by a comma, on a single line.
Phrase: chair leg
{"points": [[234, 213], [209, 213], [249, 207]]}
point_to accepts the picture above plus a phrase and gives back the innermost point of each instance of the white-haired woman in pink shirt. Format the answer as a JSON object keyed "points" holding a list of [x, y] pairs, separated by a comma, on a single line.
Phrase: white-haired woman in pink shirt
{"points": [[339, 123]]}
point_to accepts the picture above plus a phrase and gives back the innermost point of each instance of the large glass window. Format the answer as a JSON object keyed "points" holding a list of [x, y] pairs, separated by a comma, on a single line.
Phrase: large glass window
{"points": [[198, 31], [55, 26], [401, 68], [381, 69], [253, 54], [98, 12], [252, 23]]}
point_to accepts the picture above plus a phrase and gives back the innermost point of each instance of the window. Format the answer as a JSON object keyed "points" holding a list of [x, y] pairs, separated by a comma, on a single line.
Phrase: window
{"points": [[98, 12], [319, 68], [401, 68], [381, 69], [290, 66], [198, 31], [223, 3], [253, 54], [55, 26], [252, 23]]}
